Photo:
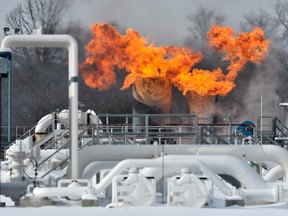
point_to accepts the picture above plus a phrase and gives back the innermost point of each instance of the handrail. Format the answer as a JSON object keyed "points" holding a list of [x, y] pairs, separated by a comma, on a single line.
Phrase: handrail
{"points": [[61, 147], [65, 160], [267, 137], [285, 128], [55, 152], [50, 170], [63, 133], [215, 135], [21, 137]]}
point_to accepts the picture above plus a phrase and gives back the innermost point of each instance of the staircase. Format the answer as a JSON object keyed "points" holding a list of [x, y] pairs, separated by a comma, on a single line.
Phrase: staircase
{"points": [[272, 131]]}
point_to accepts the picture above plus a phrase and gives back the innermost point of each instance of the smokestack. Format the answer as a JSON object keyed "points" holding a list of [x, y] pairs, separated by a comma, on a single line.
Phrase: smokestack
{"points": [[154, 92], [153, 96], [202, 106]]}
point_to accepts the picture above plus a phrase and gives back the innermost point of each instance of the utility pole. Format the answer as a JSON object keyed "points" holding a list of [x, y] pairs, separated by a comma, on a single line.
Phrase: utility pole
{"points": [[5, 72]]}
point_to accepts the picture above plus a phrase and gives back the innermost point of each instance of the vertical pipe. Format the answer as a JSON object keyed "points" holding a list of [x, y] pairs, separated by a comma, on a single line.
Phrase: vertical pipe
{"points": [[230, 130], [97, 129], [9, 101], [282, 120], [196, 130], [68, 42], [21, 161], [73, 104], [261, 119], [1, 118], [147, 129]]}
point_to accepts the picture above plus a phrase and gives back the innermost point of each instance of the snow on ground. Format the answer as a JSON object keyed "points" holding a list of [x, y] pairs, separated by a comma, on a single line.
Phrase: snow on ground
{"points": [[279, 210]]}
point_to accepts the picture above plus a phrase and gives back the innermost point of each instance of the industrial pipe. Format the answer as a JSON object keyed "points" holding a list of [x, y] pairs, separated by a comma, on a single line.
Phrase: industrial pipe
{"points": [[208, 165], [63, 41], [218, 164], [95, 167], [59, 191], [274, 174], [256, 153]]}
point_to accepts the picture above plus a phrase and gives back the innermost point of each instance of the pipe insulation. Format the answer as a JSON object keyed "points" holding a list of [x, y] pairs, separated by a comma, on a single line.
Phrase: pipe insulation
{"points": [[60, 41], [254, 185], [218, 164], [274, 174], [96, 167], [256, 153], [63, 118], [59, 191]]}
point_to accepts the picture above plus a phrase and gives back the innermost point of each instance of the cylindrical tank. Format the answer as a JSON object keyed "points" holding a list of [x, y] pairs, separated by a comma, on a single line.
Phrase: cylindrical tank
{"points": [[202, 106], [154, 92], [152, 96]]}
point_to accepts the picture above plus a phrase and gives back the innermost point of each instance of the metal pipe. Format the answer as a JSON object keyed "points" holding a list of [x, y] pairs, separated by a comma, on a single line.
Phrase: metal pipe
{"points": [[68, 42], [59, 191], [218, 164], [257, 153], [43, 123], [274, 174]]}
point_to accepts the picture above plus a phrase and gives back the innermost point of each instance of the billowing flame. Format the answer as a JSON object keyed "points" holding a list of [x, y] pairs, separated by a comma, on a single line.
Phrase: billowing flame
{"points": [[245, 47], [109, 49]]}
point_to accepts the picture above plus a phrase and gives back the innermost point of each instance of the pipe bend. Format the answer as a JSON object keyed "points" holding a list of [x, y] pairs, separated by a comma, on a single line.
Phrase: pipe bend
{"points": [[61, 41], [65, 41]]}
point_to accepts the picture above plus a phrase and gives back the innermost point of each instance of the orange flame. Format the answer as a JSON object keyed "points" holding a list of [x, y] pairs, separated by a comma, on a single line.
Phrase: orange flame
{"points": [[245, 47], [108, 49]]}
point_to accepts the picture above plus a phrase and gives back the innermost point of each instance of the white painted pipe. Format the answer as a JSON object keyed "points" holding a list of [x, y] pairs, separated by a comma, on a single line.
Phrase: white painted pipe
{"points": [[59, 191], [43, 123], [219, 164], [95, 167], [239, 170], [274, 174], [256, 153], [256, 187], [62, 117], [68, 42], [215, 179], [269, 194]]}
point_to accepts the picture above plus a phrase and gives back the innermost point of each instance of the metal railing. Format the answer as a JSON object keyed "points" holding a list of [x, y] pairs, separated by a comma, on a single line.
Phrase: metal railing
{"points": [[146, 129], [142, 129], [17, 132]]}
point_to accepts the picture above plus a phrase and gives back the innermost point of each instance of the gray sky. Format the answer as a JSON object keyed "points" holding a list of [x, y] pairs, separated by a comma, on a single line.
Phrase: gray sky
{"points": [[166, 19]]}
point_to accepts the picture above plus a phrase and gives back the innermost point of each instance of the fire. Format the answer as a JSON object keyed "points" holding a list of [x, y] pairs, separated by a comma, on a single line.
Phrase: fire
{"points": [[109, 49], [245, 47]]}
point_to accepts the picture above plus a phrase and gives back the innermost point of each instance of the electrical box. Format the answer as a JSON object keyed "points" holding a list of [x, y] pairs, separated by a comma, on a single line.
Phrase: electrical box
{"points": [[4, 67], [5, 59]]}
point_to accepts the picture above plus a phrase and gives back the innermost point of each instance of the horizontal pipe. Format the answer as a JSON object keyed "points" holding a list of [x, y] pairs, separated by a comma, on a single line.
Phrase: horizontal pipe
{"points": [[257, 193], [240, 170], [219, 164], [256, 153], [59, 191]]}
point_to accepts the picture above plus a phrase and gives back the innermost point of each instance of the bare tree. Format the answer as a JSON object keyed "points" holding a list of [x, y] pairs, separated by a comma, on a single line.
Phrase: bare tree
{"points": [[271, 76], [200, 23], [261, 19], [38, 73], [281, 11]]}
